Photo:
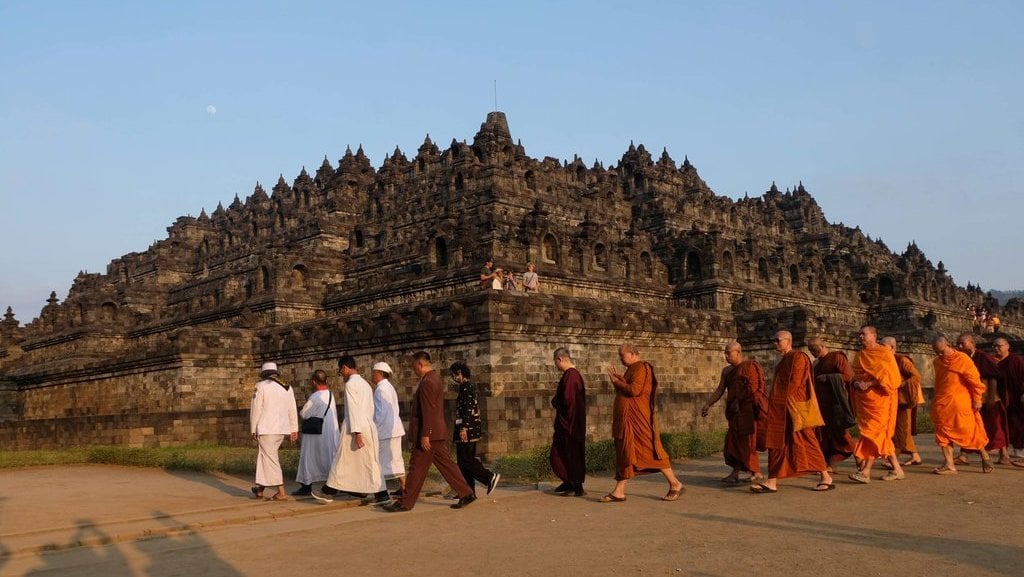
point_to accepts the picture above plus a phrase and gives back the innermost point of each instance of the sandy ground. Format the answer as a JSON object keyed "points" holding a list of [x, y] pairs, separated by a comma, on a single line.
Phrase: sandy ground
{"points": [[115, 521]]}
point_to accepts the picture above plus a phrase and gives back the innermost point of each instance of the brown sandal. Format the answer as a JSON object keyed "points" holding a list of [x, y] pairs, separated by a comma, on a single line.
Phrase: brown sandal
{"points": [[944, 470]]}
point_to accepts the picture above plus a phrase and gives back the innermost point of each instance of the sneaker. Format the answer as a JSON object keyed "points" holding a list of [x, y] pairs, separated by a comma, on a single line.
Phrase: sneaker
{"points": [[328, 490], [495, 477], [893, 476], [563, 488], [464, 502], [303, 491], [323, 498]]}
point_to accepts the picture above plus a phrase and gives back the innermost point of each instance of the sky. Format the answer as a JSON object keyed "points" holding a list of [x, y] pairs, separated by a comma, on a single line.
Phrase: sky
{"points": [[903, 118]]}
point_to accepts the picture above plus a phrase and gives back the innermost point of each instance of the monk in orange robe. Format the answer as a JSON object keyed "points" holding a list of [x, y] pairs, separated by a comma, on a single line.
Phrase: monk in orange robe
{"points": [[637, 439], [836, 443], [956, 406], [876, 380], [1011, 381], [993, 410], [909, 397], [745, 408], [790, 453]]}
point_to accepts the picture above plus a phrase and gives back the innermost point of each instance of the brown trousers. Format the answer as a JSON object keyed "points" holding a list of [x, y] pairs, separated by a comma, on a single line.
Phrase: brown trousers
{"points": [[420, 463]]}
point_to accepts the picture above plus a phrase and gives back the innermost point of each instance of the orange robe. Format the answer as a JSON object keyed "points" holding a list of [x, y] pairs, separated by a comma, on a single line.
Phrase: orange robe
{"points": [[957, 386], [745, 408], [876, 407], [790, 453], [835, 441], [909, 396], [637, 439]]}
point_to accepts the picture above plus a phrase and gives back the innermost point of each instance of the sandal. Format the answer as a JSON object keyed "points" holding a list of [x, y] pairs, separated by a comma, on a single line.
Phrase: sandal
{"points": [[257, 491], [731, 480], [673, 495], [761, 488], [944, 470], [609, 498], [1018, 463], [824, 487], [986, 466], [961, 459], [859, 477], [279, 497], [913, 462]]}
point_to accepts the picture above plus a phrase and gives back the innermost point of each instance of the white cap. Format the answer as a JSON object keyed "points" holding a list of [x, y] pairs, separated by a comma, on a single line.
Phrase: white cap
{"points": [[269, 368], [383, 367]]}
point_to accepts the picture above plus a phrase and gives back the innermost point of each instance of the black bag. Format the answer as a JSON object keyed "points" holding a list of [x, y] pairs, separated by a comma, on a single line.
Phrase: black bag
{"points": [[315, 425]]}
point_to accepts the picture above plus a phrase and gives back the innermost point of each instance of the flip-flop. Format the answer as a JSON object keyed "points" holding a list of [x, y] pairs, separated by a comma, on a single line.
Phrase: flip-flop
{"points": [[609, 498], [279, 498], [828, 487], [986, 466], [961, 460], [761, 488], [730, 480], [673, 495], [1018, 463], [944, 470], [912, 463]]}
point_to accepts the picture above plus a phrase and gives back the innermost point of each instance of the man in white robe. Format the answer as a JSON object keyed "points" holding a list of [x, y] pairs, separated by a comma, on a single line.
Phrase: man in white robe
{"points": [[356, 468], [389, 425], [316, 453], [272, 417]]}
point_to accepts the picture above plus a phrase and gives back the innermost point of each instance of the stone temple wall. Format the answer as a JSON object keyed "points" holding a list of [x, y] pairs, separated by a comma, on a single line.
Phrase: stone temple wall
{"points": [[164, 347]]}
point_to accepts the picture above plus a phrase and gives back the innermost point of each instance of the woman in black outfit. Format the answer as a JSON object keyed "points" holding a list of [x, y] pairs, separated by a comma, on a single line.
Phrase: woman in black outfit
{"points": [[468, 430]]}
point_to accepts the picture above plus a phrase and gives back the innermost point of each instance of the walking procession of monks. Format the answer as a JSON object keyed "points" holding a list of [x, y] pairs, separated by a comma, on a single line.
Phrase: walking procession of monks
{"points": [[804, 421]]}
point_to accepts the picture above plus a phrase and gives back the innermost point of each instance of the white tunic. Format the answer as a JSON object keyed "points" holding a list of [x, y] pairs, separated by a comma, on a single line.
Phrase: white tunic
{"points": [[385, 411], [356, 469], [273, 410], [317, 451]]}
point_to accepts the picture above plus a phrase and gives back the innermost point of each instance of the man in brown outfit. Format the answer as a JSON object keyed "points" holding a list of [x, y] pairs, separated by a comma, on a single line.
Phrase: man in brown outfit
{"points": [[429, 434]]}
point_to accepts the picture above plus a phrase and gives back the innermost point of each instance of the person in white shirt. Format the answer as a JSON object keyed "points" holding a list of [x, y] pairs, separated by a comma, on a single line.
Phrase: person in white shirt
{"points": [[272, 416], [356, 468], [317, 451], [389, 425]]}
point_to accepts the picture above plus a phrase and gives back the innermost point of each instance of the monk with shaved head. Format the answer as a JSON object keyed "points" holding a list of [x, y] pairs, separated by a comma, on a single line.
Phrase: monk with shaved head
{"points": [[745, 407], [875, 385], [909, 396], [955, 408], [790, 453], [1011, 387], [634, 427], [993, 411], [832, 377]]}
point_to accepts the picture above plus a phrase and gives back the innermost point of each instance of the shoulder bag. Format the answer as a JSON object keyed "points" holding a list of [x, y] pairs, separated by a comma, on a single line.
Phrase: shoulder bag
{"points": [[315, 425]]}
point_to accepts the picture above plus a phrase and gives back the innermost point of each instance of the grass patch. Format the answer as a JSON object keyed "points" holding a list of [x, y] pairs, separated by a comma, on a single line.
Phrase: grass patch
{"points": [[924, 421], [526, 467]]}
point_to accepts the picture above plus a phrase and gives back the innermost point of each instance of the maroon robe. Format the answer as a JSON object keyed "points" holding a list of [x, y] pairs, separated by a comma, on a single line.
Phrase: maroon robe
{"points": [[993, 414], [790, 453], [746, 407], [835, 441], [1011, 387], [568, 447]]}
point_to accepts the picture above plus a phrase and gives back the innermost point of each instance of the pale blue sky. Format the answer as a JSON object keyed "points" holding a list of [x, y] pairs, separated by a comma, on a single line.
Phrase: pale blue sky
{"points": [[901, 117]]}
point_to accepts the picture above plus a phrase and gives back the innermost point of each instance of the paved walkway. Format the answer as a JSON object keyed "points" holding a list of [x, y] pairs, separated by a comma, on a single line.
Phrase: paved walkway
{"points": [[116, 521]]}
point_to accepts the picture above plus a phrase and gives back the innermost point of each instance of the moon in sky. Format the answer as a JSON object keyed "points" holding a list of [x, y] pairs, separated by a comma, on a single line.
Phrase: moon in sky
{"points": [[211, 109]]}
